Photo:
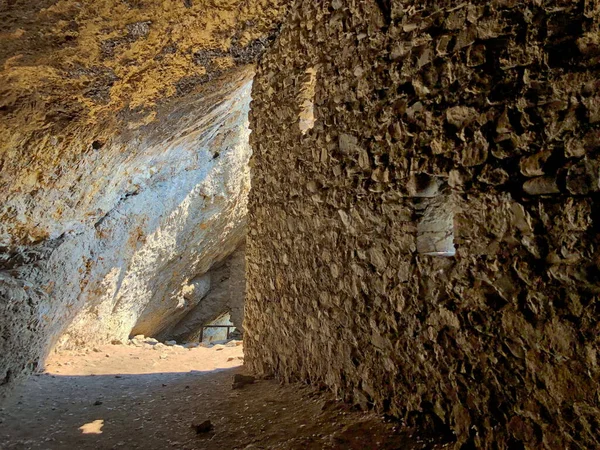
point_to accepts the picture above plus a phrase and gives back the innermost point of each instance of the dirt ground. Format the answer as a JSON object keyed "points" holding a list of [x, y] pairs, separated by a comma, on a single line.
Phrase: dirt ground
{"points": [[122, 396]]}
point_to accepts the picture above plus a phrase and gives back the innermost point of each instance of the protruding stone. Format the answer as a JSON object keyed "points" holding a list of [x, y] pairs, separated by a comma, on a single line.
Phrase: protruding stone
{"points": [[239, 380], [541, 186], [347, 143], [493, 176], [461, 116], [532, 166], [476, 55]]}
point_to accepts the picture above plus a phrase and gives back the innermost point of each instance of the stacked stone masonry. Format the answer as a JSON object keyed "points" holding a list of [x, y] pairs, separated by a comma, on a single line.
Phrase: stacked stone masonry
{"points": [[497, 105]]}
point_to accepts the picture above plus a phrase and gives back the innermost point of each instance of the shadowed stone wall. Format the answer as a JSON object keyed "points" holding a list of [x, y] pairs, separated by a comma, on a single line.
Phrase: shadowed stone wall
{"points": [[473, 128]]}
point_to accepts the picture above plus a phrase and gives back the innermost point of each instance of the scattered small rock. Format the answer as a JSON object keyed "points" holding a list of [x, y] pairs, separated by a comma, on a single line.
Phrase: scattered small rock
{"points": [[204, 427], [97, 403], [116, 342], [171, 343], [239, 380]]}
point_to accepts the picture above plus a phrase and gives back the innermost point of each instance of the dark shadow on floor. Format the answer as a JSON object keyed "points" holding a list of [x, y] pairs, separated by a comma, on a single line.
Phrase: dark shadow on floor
{"points": [[157, 411]]}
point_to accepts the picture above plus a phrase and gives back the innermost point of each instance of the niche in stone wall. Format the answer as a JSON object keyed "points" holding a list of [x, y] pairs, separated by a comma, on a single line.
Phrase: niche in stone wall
{"points": [[306, 99], [434, 215]]}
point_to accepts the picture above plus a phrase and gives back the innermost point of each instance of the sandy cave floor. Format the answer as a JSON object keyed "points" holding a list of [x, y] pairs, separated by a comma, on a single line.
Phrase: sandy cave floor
{"points": [[121, 396]]}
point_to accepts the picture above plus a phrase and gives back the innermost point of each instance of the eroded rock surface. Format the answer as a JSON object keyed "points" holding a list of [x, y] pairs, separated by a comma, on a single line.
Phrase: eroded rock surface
{"points": [[186, 212], [153, 244], [75, 76], [226, 293], [493, 105]]}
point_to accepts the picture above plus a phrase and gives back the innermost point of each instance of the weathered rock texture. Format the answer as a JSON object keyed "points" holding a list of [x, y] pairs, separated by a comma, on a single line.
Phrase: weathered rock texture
{"points": [[487, 111], [123, 158], [146, 251], [130, 269]]}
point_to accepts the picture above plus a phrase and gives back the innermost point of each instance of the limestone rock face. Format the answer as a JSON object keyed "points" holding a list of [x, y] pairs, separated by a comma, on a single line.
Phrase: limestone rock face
{"points": [[374, 123], [130, 268], [123, 157], [155, 242], [77, 79]]}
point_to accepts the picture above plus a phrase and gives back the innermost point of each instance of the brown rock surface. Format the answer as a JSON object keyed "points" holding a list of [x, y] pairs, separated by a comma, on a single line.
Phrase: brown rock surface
{"points": [[499, 342]]}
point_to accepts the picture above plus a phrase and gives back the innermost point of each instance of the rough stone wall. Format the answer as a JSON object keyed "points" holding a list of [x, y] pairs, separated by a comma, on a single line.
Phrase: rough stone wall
{"points": [[485, 111]]}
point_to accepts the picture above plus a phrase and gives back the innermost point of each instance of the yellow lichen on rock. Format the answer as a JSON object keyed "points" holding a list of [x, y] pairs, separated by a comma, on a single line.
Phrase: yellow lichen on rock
{"points": [[73, 73], [144, 47]]}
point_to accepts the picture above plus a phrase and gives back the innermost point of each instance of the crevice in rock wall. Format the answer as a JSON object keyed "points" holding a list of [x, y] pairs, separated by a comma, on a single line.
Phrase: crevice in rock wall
{"points": [[434, 215], [435, 226], [306, 100], [499, 100]]}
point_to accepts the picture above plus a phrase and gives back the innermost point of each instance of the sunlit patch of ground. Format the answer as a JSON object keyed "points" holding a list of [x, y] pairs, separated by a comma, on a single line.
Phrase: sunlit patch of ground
{"points": [[128, 359], [94, 427]]}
